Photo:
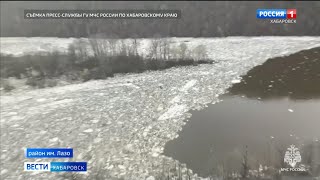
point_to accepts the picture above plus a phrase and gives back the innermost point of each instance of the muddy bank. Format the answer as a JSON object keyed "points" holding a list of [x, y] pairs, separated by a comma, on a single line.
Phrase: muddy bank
{"points": [[296, 76]]}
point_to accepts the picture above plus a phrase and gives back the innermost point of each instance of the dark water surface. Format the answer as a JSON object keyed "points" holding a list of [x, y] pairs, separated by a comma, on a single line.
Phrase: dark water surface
{"points": [[275, 105]]}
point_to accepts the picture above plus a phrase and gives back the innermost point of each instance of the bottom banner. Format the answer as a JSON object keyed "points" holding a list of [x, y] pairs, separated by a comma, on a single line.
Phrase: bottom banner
{"points": [[56, 166]]}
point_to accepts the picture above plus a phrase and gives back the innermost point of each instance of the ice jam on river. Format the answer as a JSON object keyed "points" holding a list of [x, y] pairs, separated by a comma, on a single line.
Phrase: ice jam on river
{"points": [[120, 125]]}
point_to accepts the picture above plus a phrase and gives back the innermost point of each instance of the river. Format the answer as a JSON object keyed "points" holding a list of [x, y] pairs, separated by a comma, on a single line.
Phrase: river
{"points": [[274, 106]]}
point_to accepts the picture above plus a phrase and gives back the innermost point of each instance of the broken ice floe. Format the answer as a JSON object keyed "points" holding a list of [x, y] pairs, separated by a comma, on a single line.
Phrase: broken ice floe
{"points": [[234, 81], [88, 130]]}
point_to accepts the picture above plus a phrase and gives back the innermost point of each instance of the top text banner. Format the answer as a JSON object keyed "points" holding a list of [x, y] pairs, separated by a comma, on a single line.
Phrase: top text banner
{"points": [[102, 14]]}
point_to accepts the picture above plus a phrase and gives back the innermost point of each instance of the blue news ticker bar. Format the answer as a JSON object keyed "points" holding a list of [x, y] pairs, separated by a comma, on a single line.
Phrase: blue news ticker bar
{"points": [[68, 166], [49, 153], [271, 13]]}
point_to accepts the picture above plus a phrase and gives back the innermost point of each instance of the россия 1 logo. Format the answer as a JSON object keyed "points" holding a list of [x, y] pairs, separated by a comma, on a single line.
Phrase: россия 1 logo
{"points": [[277, 15]]}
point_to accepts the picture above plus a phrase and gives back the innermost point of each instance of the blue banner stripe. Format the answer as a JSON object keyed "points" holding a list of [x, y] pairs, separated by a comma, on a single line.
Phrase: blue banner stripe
{"points": [[68, 166], [49, 153], [271, 13]]}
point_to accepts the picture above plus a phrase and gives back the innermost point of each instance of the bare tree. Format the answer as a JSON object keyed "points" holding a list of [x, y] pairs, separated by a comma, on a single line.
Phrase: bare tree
{"points": [[164, 48], [200, 52], [79, 49], [155, 47], [245, 163], [183, 50], [135, 45]]}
